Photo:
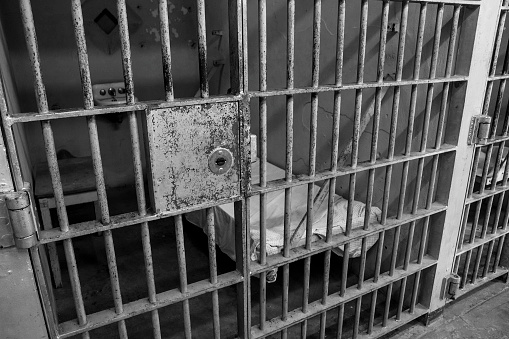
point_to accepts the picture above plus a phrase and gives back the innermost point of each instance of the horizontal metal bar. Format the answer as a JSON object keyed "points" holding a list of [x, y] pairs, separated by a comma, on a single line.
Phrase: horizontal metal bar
{"points": [[479, 282], [479, 242], [406, 317], [498, 139], [319, 246], [498, 77], [78, 112], [354, 86], [106, 317], [486, 194], [297, 180], [317, 307], [447, 2], [118, 221]]}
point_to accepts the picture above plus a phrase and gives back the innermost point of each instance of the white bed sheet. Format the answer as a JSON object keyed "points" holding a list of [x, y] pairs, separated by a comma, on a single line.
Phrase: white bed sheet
{"points": [[225, 222]]}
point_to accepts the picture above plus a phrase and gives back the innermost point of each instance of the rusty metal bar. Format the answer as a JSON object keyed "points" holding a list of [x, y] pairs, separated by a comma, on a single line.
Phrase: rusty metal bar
{"points": [[355, 86], [166, 49], [97, 161], [202, 48], [42, 105], [181, 255], [211, 234], [95, 320], [123, 29], [75, 284]]}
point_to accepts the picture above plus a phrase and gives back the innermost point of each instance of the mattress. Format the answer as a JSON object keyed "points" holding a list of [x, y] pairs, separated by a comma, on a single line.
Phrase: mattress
{"points": [[225, 222]]}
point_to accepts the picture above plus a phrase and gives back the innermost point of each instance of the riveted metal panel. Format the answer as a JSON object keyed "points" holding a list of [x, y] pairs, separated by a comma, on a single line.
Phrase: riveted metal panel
{"points": [[181, 142]]}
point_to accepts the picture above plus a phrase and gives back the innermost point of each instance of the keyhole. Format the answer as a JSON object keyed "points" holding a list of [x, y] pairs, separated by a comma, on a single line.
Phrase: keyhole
{"points": [[220, 162]]}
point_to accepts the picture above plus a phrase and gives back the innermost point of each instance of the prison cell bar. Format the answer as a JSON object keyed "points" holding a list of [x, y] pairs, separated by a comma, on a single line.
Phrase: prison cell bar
{"points": [[42, 103], [290, 82], [97, 161], [166, 49], [315, 72], [262, 36], [136, 153]]}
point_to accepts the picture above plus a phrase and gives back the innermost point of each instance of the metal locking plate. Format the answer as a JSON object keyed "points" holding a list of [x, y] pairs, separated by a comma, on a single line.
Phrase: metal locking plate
{"points": [[193, 155]]}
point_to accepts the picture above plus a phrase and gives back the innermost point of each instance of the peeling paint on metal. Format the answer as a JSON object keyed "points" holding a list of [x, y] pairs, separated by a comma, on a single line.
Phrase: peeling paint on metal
{"points": [[180, 142]]}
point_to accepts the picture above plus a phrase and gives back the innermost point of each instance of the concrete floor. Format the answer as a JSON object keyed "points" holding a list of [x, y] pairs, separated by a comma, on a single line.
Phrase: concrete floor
{"points": [[484, 315]]}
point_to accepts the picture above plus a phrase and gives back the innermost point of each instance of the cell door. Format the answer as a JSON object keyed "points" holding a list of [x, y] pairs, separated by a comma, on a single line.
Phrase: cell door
{"points": [[312, 187], [481, 255]]}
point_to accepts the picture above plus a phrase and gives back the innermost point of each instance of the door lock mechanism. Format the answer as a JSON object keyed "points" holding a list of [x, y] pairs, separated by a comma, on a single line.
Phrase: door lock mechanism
{"points": [[220, 161]]}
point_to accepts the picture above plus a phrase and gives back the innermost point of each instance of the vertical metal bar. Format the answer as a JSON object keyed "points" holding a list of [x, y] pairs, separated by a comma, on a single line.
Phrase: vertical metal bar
{"points": [[211, 233], [466, 267], [372, 310], [448, 72], [126, 51], [379, 253], [97, 161], [181, 256], [417, 68], [358, 306], [341, 314], [202, 48], [433, 71], [500, 247], [166, 49], [362, 266], [387, 305], [395, 109], [480, 249], [42, 105], [415, 292], [358, 111], [410, 240], [401, 298], [344, 270], [75, 284], [395, 250], [488, 259], [424, 240]]}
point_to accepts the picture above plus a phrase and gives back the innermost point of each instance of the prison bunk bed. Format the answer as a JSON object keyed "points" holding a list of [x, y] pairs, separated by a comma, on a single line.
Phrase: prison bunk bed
{"points": [[225, 223]]}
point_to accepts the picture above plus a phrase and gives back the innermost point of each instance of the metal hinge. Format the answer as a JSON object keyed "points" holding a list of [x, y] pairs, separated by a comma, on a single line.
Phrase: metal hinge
{"points": [[451, 286], [479, 131], [22, 218]]}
